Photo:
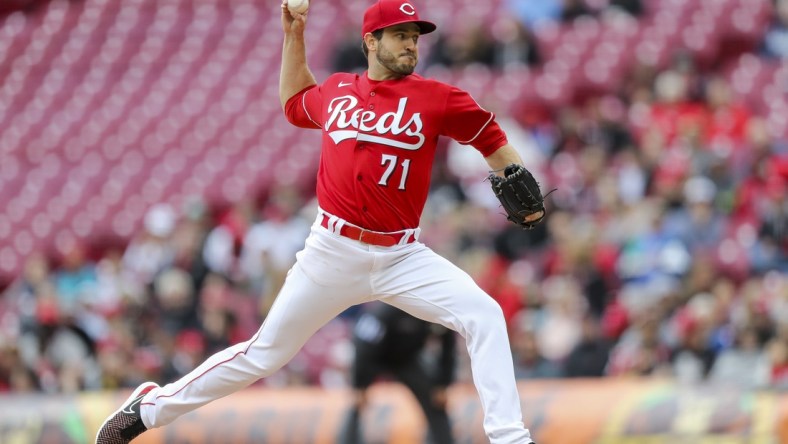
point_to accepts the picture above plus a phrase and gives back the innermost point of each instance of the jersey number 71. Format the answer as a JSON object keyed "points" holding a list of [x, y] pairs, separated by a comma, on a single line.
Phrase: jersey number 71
{"points": [[390, 162]]}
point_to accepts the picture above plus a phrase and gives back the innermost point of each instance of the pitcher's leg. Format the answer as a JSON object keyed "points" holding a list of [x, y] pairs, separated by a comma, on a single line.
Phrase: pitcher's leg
{"points": [[432, 288], [301, 308]]}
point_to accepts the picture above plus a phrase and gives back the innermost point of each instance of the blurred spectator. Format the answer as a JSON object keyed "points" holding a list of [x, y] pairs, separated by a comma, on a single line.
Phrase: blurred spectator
{"points": [[188, 241], [753, 309], [693, 358], [21, 299], [75, 279], [218, 315], [604, 124], [114, 285], [462, 46], [745, 364], [57, 349], [174, 297], [777, 350], [347, 55], [770, 250], [759, 205], [726, 129], [570, 134], [529, 363], [150, 251], [650, 262], [497, 279], [631, 177], [79, 304], [674, 113], [698, 225], [640, 351], [115, 355], [775, 40], [15, 376], [633, 7], [222, 248], [572, 252], [590, 356], [187, 351], [270, 244], [513, 44], [559, 327], [572, 9]]}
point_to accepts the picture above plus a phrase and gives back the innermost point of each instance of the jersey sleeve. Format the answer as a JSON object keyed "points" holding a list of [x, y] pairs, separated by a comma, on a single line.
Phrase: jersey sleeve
{"points": [[303, 109], [470, 124]]}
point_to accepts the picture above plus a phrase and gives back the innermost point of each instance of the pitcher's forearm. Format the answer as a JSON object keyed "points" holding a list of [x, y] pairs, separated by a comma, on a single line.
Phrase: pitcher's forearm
{"points": [[295, 74], [503, 157]]}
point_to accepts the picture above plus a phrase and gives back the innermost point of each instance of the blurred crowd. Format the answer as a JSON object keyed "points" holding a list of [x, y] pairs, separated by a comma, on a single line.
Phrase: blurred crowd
{"points": [[664, 253]]}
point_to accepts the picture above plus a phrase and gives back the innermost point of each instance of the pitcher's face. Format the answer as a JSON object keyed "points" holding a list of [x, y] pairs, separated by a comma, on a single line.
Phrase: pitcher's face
{"points": [[398, 50]]}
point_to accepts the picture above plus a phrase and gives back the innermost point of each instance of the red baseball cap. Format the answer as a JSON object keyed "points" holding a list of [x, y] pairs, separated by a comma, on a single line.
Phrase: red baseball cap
{"points": [[387, 13]]}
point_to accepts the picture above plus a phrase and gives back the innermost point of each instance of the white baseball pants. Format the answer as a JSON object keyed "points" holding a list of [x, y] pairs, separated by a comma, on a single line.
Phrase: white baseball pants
{"points": [[333, 273]]}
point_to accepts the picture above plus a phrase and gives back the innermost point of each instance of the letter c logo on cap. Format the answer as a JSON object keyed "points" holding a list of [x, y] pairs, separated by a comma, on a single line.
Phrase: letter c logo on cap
{"points": [[408, 9]]}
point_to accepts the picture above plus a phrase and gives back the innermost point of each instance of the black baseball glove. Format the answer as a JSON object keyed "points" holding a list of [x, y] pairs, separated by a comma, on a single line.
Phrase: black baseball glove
{"points": [[519, 194]]}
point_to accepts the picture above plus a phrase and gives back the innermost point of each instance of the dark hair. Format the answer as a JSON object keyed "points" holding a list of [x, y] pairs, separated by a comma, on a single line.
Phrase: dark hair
{"points": [[377, 34]]}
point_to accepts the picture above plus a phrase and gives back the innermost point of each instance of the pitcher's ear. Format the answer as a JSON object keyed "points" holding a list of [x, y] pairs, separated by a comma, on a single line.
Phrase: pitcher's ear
{"points": [[370, 41]]}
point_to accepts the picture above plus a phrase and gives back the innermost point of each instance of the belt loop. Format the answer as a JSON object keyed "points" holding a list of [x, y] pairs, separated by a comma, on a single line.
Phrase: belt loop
{"points": [[339, 224], [416, 233], [406, 236], [332, 224]]}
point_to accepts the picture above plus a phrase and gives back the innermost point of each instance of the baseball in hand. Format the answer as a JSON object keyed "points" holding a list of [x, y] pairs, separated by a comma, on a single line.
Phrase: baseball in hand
{"points": [[298, 6]]}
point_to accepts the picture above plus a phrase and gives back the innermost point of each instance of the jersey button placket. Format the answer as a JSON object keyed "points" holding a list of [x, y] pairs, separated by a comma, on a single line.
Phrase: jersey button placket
{"points": [[360, 177], [371, 105]]}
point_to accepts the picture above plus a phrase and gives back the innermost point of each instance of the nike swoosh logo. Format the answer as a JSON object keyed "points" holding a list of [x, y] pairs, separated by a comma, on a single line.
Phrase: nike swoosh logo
{"points": [[127, 409], [341, 84]]}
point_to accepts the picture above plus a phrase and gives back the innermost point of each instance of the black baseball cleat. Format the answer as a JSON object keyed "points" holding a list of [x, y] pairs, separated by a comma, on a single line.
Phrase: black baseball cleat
{"points": [[126, 423]]}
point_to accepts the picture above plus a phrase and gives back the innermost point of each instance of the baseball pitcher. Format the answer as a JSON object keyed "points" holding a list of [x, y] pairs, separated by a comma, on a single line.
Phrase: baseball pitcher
{"points": [[380, 131]]}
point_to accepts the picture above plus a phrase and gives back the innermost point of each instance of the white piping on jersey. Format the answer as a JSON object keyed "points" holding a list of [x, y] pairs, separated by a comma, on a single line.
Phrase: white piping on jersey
{"points": [[303, 104], [480, 130]]}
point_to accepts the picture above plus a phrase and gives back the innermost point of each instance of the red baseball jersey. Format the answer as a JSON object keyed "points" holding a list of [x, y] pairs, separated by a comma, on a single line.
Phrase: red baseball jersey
{"points": [[379, 140]]}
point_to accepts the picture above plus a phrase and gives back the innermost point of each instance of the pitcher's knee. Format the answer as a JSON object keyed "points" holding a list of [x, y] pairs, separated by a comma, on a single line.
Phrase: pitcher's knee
{"points": [[492, 311]]}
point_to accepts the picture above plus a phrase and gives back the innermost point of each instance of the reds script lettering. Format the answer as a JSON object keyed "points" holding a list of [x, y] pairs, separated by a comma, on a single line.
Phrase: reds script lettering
{"points": [[368, 121]]}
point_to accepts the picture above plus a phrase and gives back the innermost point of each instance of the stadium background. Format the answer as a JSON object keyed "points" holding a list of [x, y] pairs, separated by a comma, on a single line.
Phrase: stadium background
{"points": [[152, 197]]}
